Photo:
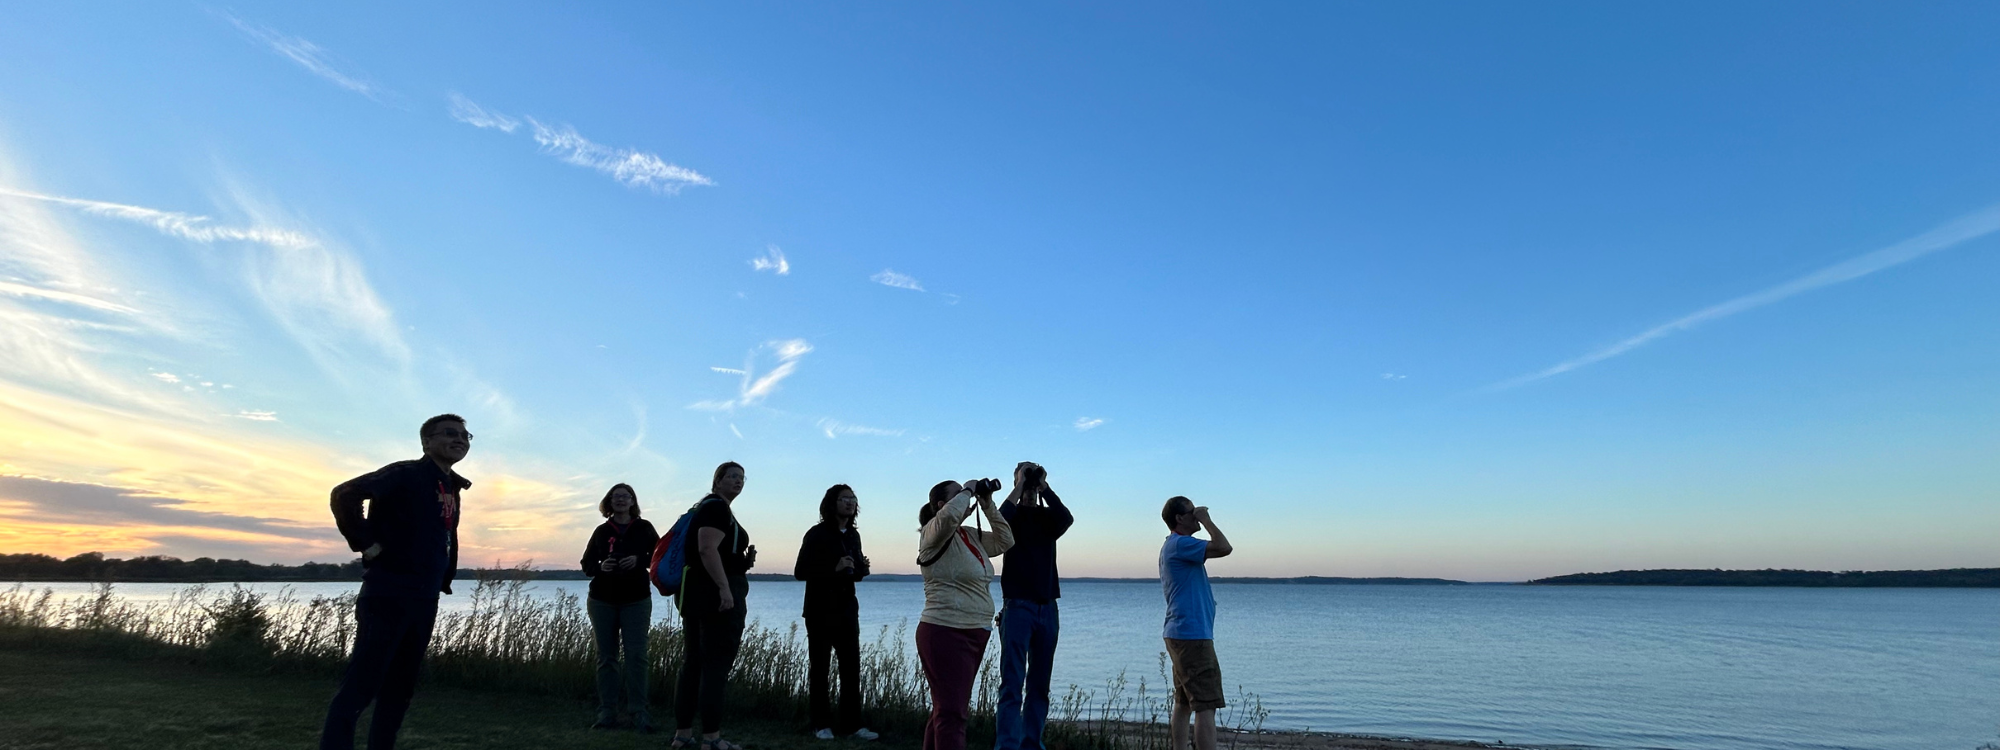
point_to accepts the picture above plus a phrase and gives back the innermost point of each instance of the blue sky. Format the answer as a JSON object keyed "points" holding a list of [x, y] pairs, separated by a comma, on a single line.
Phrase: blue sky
{"points": [[1481, 291]]}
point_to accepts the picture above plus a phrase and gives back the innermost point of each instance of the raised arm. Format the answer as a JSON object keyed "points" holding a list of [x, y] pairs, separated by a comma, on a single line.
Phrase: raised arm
{"points": [[1060, 518], [1218, 545], [1000, 538], [945, 523]]}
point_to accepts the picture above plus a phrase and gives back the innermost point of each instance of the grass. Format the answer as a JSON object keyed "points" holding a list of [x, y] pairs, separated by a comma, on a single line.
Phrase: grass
{"points": [[68, 698], [509, 641]]}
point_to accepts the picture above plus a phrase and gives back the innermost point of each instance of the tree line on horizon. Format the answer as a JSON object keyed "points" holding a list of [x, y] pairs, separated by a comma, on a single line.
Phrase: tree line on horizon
{"points": [[94, 566], [1951, 578]]}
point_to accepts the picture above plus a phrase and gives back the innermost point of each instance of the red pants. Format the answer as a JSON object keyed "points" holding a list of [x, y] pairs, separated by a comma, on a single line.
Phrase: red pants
{"points": [[951, 663]]}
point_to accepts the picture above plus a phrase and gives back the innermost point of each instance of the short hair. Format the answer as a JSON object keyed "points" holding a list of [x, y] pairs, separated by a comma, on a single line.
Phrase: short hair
{"points": [[424, 432], [723, 469], [929, 511], [827, 512], [1175, 506], [604, 506]]}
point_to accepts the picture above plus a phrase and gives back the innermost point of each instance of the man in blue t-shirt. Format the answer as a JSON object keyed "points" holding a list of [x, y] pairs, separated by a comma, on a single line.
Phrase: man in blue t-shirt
{"points": [[1190, 627]]}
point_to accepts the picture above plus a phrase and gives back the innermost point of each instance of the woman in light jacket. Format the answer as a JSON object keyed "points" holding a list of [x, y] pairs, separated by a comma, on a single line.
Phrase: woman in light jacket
{"points": [[958, 605]]}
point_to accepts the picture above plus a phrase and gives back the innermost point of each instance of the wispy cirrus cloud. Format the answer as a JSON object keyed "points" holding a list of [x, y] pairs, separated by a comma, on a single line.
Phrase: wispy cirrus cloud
{"points": [[834, 428], [174, 223], [319, 293], [312, 57], [753, 388], [56, 295], [632, 167], [772, 260], [469, 112], [1950, 235], [1086, 424], [728, 370], [889, 277]]}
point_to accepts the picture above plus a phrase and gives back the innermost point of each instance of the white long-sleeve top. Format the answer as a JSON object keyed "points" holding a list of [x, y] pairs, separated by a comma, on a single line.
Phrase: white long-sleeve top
{"points": [[957, 591]]}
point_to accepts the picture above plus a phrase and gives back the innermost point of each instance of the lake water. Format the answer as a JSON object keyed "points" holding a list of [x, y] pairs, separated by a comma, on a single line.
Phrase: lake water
{"points": [[1609, 667]]}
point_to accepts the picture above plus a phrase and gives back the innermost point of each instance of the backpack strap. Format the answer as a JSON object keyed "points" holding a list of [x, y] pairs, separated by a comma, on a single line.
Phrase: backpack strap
{"points": [[947, 545]]}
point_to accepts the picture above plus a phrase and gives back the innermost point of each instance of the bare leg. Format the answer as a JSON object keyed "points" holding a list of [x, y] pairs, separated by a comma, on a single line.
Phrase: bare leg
{"points": [[1204, 730], [1178, 729]]}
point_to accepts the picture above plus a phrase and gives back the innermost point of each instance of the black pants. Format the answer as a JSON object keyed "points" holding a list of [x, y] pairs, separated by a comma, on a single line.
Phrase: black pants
{"points": [[836, 635], [710, 650], [391, 635]]}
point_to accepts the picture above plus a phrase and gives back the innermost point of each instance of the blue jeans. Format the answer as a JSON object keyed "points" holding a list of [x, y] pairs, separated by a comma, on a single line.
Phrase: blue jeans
{"points": [[612, 623], [1027, 652]]}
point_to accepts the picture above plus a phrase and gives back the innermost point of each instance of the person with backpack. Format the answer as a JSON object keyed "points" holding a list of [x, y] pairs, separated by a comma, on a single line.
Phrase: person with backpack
{"points": [[620, 604], [712, 592], [958, 602], [830, 562]]}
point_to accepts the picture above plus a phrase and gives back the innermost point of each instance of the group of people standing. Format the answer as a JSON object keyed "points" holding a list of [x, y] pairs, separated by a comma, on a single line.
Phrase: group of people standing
{"points": [[409, 545]]}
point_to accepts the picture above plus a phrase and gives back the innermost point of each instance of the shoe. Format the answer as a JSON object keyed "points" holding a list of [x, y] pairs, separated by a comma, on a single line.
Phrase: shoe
{"points": [[604, 722], [824, 734], [866, 736], [642, 726]]}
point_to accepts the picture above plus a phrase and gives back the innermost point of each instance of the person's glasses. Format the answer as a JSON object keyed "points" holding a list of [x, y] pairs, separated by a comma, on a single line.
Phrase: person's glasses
{"points": [[449, 432]]}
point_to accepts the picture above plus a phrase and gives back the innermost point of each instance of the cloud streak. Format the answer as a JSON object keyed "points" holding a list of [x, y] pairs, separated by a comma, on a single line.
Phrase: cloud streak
{"points": [[469, 112], [318, 293], [307, 55], [1086, 424], [1950, 235], [772, 260], [632, 167], [753, 388], [834, 428], [173, 223], [889, 277]]}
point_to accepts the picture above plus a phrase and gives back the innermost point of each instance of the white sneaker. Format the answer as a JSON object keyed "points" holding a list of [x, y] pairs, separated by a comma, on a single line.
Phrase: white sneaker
{"points": [[866, 736], [824, 734]]}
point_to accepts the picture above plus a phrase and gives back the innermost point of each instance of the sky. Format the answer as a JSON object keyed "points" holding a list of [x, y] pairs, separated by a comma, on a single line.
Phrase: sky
{"points": [[1467, 290]]}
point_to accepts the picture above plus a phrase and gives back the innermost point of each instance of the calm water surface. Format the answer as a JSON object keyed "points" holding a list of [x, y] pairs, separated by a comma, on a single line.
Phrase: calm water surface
{"points": [[1610, 667]]}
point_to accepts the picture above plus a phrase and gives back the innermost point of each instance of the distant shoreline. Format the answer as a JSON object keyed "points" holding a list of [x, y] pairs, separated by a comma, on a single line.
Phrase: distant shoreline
{"points": [[94, 567]]}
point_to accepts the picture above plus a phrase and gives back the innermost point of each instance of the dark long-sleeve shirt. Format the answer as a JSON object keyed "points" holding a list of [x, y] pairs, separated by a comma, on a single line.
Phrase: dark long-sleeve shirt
{"points": [[412, 511], [620, 586], [830, 593], [1030, 571]]}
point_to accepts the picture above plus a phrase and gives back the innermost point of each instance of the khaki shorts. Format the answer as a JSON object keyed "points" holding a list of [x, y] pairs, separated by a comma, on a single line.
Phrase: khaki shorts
{"points": [[1197, 675]]}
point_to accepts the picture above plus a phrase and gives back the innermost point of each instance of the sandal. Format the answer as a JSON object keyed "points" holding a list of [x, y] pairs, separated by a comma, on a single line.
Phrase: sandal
{"points": [[682, 743], [720, 744]]}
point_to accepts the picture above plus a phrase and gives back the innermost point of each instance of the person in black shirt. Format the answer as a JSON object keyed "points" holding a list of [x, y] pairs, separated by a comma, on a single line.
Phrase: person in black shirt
{"points": [[408, 542], [1029, 622], [830, 561], [621, 603], [712, 614]]}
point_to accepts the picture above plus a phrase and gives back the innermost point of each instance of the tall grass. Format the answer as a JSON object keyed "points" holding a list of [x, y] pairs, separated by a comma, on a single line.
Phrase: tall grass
{"points": [[511, 639]]}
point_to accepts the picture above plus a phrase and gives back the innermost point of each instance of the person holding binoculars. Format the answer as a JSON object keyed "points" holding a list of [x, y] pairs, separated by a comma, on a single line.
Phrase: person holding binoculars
{"points": [[957, 562], [1029, 622]]}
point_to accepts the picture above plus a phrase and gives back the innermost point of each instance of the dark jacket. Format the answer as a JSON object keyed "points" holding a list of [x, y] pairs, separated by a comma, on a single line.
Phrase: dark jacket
{"points": [[620, 586], [830, 593], [413, 512], [1031, 563]]}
